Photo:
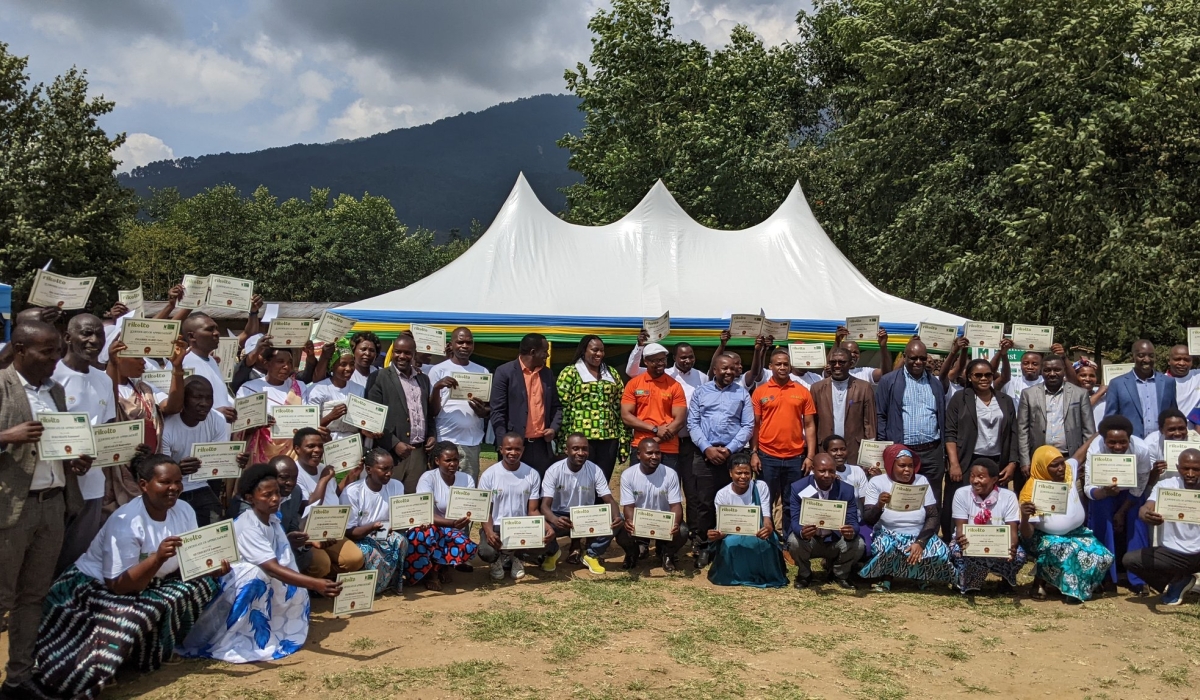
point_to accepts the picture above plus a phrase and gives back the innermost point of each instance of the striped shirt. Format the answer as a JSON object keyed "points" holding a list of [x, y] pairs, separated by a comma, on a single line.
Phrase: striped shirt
{"points": [[920, 411]]}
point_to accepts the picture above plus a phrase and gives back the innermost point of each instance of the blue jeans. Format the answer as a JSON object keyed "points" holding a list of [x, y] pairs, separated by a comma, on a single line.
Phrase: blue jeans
{"points": [[780, 474], [596, 545]]}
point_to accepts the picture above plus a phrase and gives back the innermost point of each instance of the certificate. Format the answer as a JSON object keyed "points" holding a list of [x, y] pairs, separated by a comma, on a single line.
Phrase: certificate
{"points": [[227, 357], [358, 593], [591, 521], [983, 334], [776, 329], [230, 293], [738, 520], [1111, 372], [161, 379], [290, 332], [827, 515], [1171, 451], [429, 339], [289, 419], [343, 455], [251, 411], [468, 503], [907, 498], [365, 415], [807, 356], [338, 425], [655, 524], [1032, 338], [65, 436], [870, 453], [937, 337], [1193, 341], [116, 442], [218, 460], [1179, 505], [327, 523], [745, 325], [204, 548], [66, 293], [332, 326], [195, 292], [133, 300], [862, 327], [657, 328], [1112, 470], [149, 337], [472, 386], [412, 510], [1050, 497], [522, 533], [991, 541]]}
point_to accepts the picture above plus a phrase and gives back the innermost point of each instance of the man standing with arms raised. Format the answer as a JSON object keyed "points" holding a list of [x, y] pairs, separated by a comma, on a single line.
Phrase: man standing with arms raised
{"points": [[655, 405], [1141, 394], [910, 406], [845, 405], [407, 431], [460, 421], [867, 374], [525, 401]]}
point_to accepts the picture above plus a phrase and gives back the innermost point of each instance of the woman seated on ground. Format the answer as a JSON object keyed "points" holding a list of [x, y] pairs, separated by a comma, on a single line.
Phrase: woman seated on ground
{"points": [[445, 545], [752, 559], [122, 602], [370, 514], [1067, 555], [262, 611], [904, 543], [983, 502]]}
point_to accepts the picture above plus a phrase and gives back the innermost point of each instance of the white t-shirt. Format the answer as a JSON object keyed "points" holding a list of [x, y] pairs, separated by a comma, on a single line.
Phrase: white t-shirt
{"points": [[728, 497], [210, 370], [131, 535], [856, 477], [1098, 411], [1017, 384], [276, 395], [1138, 447], [909, 523], [367, 506], [456, 421], [1007, 509], [570, 489], [259, 543], [988, 418], [867, 374], [511, 490], [1179, 537], [1062, 523], [1187, 391], [324, 392], [177, 439], [88, 392], [658, 490], [432, 482], [307, 483]]}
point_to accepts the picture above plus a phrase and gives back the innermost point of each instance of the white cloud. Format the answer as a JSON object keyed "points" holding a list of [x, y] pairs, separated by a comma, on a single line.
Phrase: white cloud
{"points": [[362, 118], [141, 149], [315, 86], [270, 54], [180, 75]]}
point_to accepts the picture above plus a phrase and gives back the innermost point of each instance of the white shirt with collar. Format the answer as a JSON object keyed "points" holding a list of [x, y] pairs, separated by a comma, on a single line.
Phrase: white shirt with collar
{"points": [[46, 474], [89, 392]]}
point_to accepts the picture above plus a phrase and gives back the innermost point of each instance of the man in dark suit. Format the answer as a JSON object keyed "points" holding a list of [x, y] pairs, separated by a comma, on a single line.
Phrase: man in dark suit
{"points": [[36, 495], [1141, 394], [407, 432], [524, 400], [911, 409], [851, 411], [840, 548]]}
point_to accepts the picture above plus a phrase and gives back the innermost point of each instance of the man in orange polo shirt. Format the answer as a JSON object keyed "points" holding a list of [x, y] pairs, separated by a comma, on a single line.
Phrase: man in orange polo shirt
{"points": [[655, 406], [785, 433]]}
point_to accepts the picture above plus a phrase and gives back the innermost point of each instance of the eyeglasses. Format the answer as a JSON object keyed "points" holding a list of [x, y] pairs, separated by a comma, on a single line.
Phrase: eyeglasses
{"points": [[838, 362], [979, 375]]}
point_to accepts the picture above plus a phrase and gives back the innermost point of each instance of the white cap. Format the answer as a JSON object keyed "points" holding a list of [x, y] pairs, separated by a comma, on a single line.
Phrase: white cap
{"points": [[653, 349], [110, 334], [252, 343]]}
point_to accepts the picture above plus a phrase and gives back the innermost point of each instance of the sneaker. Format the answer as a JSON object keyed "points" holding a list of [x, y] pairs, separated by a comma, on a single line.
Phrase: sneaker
{"points": [[498, 569], [518, 568], [550, 562], [593, 564], [1177, 590]]}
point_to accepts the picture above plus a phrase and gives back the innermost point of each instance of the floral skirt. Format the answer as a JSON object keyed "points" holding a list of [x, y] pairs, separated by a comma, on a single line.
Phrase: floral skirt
{"points": [[255, 618], [889, 557], [1075, 563], [971, 572], [432, 546], [385, 556]]}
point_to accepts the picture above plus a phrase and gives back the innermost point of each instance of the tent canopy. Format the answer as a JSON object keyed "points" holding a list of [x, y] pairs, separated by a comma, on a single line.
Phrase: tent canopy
{"points": [[532, 271]]}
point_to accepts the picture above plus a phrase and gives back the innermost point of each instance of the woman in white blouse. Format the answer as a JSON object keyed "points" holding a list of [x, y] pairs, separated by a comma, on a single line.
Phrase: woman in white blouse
{"points": [[445, 545], [985, 502], [369, 525]]}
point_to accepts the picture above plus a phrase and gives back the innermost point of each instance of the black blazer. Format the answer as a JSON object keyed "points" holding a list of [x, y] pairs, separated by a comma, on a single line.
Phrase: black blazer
{"points": [[384, 387], [962, 427], [510, 401]]}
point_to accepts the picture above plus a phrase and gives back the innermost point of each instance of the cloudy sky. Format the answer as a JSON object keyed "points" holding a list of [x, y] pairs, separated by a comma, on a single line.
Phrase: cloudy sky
{"points": [[191, 78]]}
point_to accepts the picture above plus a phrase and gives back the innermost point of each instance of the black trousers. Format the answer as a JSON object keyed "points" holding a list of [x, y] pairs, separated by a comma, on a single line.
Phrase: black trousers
{"points": [[1159, 566], [687, 479], [665, 548], [709, 479], [604, 454], [539, 454], [206, 504]]}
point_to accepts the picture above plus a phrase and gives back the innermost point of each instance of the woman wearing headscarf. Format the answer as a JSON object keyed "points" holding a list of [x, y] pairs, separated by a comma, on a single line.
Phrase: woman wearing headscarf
{"points": [[1067, 555], [983, 502], [335, 389], [591, 397], [904, 542]]}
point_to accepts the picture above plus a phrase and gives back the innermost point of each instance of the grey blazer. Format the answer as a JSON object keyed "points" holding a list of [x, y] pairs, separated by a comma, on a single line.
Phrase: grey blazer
{"points": [[1079, 424], [17, 462]]}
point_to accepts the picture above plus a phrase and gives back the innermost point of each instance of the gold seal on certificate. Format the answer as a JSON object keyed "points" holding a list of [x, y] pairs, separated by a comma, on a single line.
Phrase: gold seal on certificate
{"points": [[290, 419], [870, 453], [937, 337], [745, 325], [654, 524], [288, 333], [204, 548], [218, 460], [1032, 338], [411, 510], [522, 533], [365, 415], [1171, 451], [326, 523], [827, 515], [161, 379], [738, 520], [343, 455], [907, 498], [657, 328], [807, 356], [1112, 470], [116, 442], [358, 593], [195, 292], [1193, 336], [1050, 497], [1111, 372], [991, 541], [1179, 505], [778, 330], [591, 521], [133, 300], [149, 337], [469, 503], [429, 339], [65, 436], [472, 386], [227, 357], [64, 292], [332, 326], [983, 334], [862, 327], [230, 293], [251, 411]]}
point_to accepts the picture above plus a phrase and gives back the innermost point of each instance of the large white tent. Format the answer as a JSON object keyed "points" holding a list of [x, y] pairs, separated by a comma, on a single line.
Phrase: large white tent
{"points": [[534, 271]]}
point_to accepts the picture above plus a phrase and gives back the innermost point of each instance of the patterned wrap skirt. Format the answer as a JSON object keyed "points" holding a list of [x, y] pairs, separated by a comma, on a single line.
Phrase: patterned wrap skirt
{"points": [[971, 572], [431, 547], [385, 555], [890, 558], [1075, 563]]}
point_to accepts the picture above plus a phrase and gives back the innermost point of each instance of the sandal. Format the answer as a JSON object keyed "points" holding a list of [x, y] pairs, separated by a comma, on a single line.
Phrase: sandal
{"points": [[882, 587], [573, 557], [432, 584], [1037, 591]]}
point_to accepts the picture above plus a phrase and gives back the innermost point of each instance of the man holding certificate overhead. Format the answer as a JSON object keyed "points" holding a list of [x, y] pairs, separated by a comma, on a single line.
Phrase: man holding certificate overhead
{"points": [[516, 493], [576, 485], [462, 421], [406, 430], [1175, 505], [820, 528], [652, 490]]}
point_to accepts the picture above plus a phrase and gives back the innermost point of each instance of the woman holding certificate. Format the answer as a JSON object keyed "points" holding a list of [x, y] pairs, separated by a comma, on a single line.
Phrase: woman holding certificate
{"points": [[123, 601], [591, 392], [985, 524], [753, 559], [282, 389], [262, 610], [370, 518], [434, 551], [900, 505], [334, 389]]}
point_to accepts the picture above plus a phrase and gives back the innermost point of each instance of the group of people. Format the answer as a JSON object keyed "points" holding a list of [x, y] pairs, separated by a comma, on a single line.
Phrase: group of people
{"points": [[94, 584]]}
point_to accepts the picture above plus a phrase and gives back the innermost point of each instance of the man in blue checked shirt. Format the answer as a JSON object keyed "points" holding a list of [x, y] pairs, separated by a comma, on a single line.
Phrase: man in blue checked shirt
{"points": [[911, 408], [720, 421]]}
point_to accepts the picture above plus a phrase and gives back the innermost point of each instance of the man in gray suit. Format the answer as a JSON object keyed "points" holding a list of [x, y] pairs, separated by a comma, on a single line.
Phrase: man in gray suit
{"points": [[36, 495], [1052, 413]]}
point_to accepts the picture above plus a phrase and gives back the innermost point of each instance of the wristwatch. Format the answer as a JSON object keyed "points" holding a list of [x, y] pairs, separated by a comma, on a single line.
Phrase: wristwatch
{"points": [[654, 430]]}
